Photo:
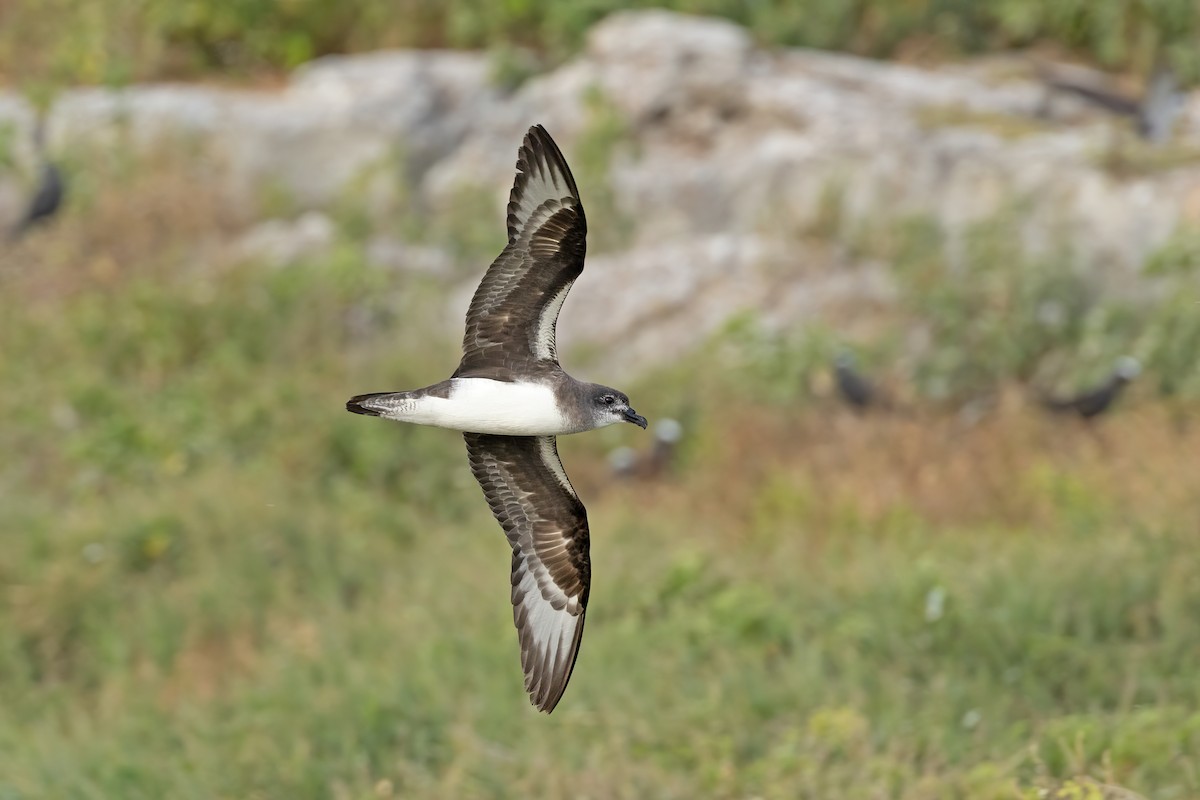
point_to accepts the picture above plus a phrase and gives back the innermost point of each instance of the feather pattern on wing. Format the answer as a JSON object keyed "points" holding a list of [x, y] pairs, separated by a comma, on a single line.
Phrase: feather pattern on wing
{"points": [[511, 322], [546, 525]]}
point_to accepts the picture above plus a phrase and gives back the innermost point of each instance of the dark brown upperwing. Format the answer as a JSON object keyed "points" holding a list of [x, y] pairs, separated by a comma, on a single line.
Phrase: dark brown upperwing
{"points": [[511, 321]]}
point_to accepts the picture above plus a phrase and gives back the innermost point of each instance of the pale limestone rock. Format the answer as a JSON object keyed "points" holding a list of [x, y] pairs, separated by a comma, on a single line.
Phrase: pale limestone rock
{"points": [[385, 252], [343, 123], [278, 243], [729, 159]]}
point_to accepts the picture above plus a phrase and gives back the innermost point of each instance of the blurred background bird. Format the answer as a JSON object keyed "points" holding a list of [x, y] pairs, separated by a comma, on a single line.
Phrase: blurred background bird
{"points": [[49, 191], [1154, 112], [854, 389], [1099, 399], [626, 462]]}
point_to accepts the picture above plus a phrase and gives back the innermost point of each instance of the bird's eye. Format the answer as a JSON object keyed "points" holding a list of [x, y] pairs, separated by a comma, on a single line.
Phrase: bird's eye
{"points": [[608, 399]]}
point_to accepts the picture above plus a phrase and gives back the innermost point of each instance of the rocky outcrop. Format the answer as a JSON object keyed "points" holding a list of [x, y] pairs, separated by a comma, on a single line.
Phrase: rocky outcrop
{"points": [[651, 303], [719, 158], [340, 120]]}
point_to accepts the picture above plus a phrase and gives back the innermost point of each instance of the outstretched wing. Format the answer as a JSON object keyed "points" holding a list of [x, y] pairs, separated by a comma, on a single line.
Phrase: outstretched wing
{"points": [[510, 324], [534, 502]]}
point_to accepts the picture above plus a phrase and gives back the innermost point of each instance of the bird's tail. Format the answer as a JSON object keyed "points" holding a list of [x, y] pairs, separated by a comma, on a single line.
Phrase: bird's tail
{"points": [[1052, 403], [379, 404], [403, 406]]}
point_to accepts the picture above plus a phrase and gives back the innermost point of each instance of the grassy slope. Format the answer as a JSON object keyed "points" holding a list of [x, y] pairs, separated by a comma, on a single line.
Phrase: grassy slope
{"points": [[215, 583]]}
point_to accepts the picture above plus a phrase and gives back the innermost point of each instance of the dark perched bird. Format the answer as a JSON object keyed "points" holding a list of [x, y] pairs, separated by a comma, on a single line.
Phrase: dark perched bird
{"points": [[1154, 112], [511, 399], [629, 463], [1160, 106], [48, 194], [853, 388], [1097, 400]]}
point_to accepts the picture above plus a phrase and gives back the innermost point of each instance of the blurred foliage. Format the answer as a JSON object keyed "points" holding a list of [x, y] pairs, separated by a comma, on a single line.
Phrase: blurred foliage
{"points": [[8, 137], [988, 314], [780, 364], [57, 42], [992, 313], [606, 132], [1132, 157], [1172, 336], [1006, 126]]}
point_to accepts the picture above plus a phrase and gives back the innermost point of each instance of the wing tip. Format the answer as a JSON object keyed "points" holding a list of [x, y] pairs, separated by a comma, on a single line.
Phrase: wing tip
{"points": [[539, 154], [549, 614], [541, 147], [547, 685], [537, 138]]}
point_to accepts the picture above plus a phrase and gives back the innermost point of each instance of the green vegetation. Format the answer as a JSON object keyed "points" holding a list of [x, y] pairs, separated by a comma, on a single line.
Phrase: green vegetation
{"points": [[216, 583], [993, 314], [605, 133], [45, 43], [1127, 156], [1006, 126]]}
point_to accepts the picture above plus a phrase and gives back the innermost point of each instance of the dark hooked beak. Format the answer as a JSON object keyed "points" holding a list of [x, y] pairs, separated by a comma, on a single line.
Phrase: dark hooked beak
{"points": [[629, 415]]}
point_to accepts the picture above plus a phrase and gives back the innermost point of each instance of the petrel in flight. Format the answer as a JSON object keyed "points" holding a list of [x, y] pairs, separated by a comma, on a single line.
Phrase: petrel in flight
{"points": [[511, 399]]}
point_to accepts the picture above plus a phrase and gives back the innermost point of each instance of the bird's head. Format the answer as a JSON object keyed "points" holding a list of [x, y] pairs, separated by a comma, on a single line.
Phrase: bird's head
{"points": [[1127, 368], [610, 406], [668, 431]]}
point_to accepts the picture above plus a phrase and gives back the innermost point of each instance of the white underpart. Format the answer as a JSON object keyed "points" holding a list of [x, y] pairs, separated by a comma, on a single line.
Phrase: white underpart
{"points": [[554, 463], [482, 405], [544, 346]]}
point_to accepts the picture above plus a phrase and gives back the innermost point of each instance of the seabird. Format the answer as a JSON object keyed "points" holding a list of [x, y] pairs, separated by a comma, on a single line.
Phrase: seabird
{"points": [[48, 196], [1154, 113], [628, 463], [624, 461], [511, 399], [667, 435], [1161, 105], [852, 386], [1097, 400]]}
